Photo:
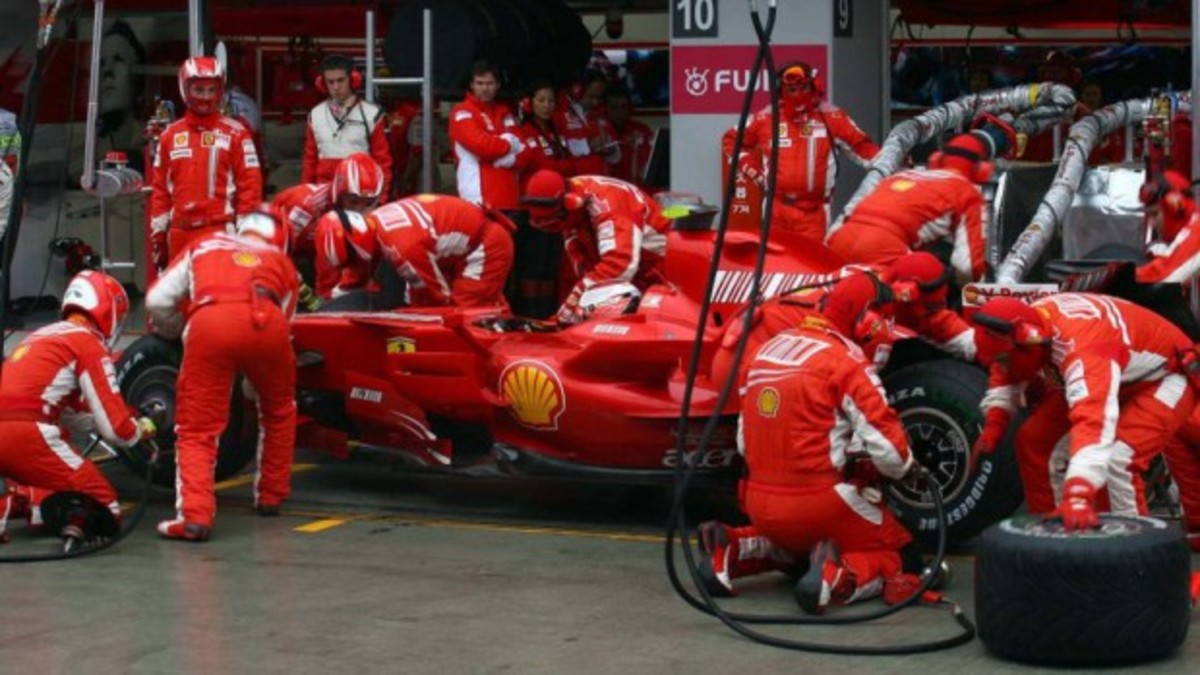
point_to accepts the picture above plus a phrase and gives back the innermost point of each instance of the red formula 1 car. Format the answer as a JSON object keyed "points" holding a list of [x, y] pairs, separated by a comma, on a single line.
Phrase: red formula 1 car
{"points": [[446, 389]]}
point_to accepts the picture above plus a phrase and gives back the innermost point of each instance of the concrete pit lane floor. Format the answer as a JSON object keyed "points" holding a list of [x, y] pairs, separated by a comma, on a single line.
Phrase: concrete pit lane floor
{"points": [[369, 571]]}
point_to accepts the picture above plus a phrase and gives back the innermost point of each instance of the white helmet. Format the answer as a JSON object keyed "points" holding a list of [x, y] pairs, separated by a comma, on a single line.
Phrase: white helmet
{"points": [[609, 299], [264, 225]]}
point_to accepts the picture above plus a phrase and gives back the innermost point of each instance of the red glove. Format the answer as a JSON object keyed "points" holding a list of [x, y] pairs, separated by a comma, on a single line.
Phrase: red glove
{"points": [[1076, 509], [570, 313], [158, 248], [994, 427]]}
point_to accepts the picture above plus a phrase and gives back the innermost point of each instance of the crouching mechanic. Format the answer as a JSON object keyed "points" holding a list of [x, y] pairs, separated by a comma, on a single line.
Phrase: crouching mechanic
{"points": [[1112, 382], [242, 291], [918, 207], [612, 230], [448, 250], [808, 392], [57, 372], [357, 185]]}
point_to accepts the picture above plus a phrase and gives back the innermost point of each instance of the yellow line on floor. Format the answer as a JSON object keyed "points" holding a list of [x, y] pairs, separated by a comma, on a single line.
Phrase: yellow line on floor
{"points": [[321, 525], [249, 478]]}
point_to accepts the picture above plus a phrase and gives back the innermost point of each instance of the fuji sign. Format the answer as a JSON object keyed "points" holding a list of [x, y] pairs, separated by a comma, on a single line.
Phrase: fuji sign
{"points": [[712, 80]]}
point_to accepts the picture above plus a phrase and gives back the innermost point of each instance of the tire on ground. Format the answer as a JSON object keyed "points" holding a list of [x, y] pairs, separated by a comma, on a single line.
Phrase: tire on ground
{"points": [[938, 402], [147, 372], [1112, 596]]}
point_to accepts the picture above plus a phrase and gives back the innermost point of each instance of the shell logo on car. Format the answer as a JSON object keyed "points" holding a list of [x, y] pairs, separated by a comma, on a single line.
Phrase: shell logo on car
{"points": [[534, 394]]}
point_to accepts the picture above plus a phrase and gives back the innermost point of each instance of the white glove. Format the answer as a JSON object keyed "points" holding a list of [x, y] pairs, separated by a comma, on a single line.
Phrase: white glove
{"points": [[515, 144]]}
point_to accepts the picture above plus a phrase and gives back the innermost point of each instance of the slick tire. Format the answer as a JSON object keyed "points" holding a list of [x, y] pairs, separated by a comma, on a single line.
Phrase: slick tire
{"points": [[938, 402], [1117, 595], [148, 371]]}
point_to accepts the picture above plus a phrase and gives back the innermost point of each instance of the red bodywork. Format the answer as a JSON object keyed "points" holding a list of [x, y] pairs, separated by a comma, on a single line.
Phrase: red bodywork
{"points": [[605, 393]]}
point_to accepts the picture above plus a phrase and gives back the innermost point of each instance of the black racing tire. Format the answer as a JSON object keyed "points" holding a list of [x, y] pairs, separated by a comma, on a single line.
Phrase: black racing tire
{"points": [[1116, 595], [938, 402], [147, 372]]}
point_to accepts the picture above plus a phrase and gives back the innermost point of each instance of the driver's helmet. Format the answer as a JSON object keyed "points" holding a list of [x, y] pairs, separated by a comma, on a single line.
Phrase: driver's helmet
{"points": [[609, 299]]}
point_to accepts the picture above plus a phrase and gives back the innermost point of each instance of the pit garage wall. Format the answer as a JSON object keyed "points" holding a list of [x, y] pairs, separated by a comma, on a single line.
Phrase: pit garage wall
{"points": [[856, 81]]}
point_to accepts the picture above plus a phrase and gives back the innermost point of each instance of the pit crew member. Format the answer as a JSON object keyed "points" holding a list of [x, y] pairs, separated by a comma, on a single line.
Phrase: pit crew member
{"points": [[1171, 213], [206, 170], [450, 251], [342, 125], [59, 382], [918, 207], [242, 290], [487, 149], [809, 390], [1111, 377], [612, 231], [810, 132]]}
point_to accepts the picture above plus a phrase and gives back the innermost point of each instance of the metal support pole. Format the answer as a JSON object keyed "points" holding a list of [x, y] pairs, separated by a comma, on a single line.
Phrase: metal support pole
{"points": [[1129, 142], [88, 179], [1195, 149], [369, 94], [195, 39], [1058, 142], [427, 102]]}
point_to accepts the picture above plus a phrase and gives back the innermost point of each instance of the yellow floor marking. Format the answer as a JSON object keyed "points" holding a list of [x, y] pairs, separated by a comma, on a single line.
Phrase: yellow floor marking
{"points": [[321, 525], [249, 478]]}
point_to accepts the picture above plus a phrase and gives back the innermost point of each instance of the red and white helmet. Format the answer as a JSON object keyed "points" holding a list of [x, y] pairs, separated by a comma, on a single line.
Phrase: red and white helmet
{"points": [[342, 236], [609, 300], [265, 226], [358, 176], [101, 299], [202, 68]]}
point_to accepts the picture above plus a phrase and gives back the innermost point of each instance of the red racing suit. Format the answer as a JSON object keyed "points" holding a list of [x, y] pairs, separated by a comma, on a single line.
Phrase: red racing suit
{"points": [[59, 369], [809, 391], [580, 129], [544, 149], [634, 141], [1114, 384], [242, 294], [406, 155], [206, 173], [807, 162], [486, 152], [447, 249], [300, 207], [333, 134], [912, 209], [1176, 262], [623, 237]]}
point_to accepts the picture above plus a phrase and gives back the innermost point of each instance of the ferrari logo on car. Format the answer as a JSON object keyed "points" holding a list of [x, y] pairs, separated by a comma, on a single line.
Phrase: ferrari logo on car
{"points": [[246, 259], [768, 402], [401, 345], [533, 393]]}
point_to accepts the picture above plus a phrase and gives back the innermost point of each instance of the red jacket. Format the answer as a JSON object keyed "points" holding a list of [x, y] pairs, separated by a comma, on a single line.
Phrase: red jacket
{"points": [[220, 269], [300, 207], [1099, 345], [624, 236], [809, 391], [426, 237], [333, 135], [66, 366], [921, 206], [487, 162], [1176, 262], [578, 129], [404, 151], [807, 166], [544, 149], [206, 173], [633, 155]]}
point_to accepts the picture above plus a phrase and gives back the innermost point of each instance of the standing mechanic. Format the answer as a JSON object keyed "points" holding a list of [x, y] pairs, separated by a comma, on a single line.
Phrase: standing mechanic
{"points": [[809, 132], [56, 373], [1171, 215], [486, 145], [612, 231], [206, 170], [343, 124], [357, 185], [918, 207], [242, 290], [1108, 373], [809, 391], [450, 251]]}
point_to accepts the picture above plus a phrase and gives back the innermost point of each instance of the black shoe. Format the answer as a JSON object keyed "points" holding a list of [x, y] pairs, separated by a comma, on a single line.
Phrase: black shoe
{"points": [[269, 510], [826, 582]]}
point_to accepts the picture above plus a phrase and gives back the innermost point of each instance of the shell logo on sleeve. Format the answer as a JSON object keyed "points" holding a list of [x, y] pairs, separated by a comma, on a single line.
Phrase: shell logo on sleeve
{"points": [[246, 259], [768, 402], [534, 394]]}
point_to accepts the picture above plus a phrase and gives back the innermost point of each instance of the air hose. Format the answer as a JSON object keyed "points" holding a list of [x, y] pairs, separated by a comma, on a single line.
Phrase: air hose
{"points": [[677, 521]]}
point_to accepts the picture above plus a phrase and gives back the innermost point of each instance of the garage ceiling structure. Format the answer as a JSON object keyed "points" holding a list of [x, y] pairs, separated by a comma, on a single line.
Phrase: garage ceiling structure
{"points": [[1063, 14]]}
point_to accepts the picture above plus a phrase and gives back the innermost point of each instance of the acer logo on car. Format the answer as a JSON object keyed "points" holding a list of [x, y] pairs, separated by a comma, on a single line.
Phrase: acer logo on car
{"points": [[368, 395]]}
